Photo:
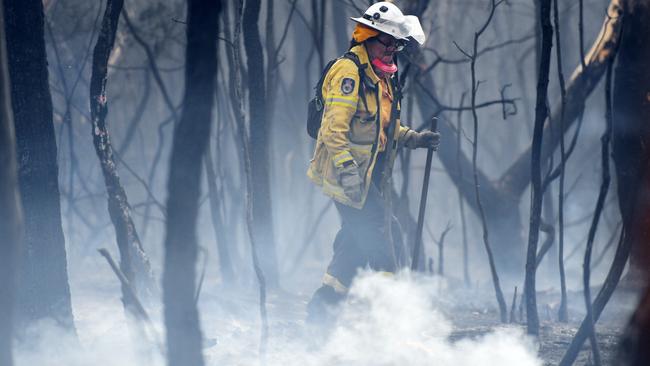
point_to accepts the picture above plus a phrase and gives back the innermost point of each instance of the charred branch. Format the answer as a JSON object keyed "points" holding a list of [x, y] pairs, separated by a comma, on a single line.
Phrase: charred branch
{"points": [[134, 263]]}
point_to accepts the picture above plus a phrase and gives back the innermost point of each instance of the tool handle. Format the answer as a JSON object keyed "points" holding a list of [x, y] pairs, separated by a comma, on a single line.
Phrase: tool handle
{"points": [[434, 124], [423, 203]]}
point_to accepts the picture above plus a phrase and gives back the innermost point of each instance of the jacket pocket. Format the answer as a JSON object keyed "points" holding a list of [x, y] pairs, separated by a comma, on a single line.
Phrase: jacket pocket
{"points": [[363, 129], [361, 154]]}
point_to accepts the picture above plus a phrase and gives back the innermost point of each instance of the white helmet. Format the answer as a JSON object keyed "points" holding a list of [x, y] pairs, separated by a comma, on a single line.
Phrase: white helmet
{"points": [[387, 18]]}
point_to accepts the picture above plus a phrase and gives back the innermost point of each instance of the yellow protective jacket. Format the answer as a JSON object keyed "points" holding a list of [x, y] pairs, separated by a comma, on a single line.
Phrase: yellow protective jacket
{"points": [[350, 128]]}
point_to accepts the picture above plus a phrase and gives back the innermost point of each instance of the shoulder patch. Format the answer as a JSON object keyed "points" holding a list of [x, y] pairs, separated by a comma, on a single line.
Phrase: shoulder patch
{"points": [[347, 86]]}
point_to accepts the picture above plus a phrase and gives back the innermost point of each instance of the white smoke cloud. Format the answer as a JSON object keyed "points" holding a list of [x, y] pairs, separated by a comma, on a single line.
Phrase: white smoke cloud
{"points": [[393, 321], [387, 320]]}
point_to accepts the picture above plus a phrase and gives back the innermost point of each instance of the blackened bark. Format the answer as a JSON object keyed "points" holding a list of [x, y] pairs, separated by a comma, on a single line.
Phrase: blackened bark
{"points": [[259, 142], [549, 232], [134, 263], [606, 291], [271, 60], [634, 349], [10, 209], [190, 143], [600, 203], [536, 168], [513, 307], [235, 76], [503, 311], [461, 200], [563, 314], [631, 129], [43, 278], [248, 174], [441, 250], [223, 244]]}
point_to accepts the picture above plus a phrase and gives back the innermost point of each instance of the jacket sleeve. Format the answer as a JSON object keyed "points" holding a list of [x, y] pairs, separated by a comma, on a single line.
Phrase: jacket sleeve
{"points": [[407, 137], [340, 97]]}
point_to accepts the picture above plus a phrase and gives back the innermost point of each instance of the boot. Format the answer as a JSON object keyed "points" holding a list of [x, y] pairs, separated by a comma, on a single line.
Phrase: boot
{"points": [[322, 309]]}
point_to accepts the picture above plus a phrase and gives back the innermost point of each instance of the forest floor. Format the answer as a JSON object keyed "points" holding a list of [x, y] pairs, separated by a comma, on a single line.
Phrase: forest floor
{"points": [[555, 337], [472, 314], [442, 321]]}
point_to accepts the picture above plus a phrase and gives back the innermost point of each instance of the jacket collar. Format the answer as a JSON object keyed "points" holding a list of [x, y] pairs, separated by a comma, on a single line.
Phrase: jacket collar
{"points": [[362, 53]]}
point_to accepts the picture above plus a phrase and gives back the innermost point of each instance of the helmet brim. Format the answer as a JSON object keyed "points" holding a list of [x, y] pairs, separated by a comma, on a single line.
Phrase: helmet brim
{"points": [[412, 26]]}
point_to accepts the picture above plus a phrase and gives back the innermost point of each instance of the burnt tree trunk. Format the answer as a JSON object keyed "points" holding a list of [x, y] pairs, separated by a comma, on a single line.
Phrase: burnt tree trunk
{"points": [[259, 132], [134, 263], [10, 209], [214, 194], [634, 349], [189, 146], [476, 174], [563, 315], [43, 276], [631, 129], [532, 320], [244, 143], [602, 195]]}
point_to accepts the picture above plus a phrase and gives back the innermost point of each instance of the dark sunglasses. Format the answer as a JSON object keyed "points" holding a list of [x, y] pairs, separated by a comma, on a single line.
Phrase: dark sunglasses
{"points": [[398, 44]]}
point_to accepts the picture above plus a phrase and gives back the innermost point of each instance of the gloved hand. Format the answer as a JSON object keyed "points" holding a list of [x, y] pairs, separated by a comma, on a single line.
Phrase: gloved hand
{"points": [[351, 181], [427, 139]]}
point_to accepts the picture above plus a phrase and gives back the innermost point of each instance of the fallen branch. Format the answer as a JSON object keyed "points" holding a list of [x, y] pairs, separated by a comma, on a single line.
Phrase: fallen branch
{"points": [[135, 308], [133, 305]]}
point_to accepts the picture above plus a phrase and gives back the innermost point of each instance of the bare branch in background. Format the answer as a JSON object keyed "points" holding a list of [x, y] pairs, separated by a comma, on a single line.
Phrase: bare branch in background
{"points": [[493, 271]]}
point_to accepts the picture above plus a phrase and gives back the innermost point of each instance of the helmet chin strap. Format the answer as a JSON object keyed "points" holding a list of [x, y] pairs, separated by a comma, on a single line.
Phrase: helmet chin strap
{"points": [[384, 67]]}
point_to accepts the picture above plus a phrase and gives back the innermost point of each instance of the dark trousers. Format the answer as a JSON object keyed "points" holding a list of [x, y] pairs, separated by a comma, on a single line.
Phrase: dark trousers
{"points": [[363, 240]]}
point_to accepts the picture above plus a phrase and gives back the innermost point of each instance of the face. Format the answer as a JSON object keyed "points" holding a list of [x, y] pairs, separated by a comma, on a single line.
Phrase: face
{"points": [[383, 47]]}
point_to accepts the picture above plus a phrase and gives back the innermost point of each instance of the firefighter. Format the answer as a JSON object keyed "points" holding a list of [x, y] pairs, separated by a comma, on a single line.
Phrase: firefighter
{"points": [[353, 148]]}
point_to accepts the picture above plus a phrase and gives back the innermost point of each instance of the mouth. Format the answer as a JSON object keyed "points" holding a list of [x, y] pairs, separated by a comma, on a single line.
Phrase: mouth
{"points": [[387, 58]]}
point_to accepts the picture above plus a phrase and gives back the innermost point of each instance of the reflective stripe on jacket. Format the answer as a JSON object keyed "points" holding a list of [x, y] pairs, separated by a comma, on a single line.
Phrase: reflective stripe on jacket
{"points": [[350, 128]]}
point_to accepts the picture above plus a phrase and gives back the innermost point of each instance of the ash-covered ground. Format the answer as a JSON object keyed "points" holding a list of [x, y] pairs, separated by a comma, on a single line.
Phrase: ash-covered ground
{"points": [[401, 320]]}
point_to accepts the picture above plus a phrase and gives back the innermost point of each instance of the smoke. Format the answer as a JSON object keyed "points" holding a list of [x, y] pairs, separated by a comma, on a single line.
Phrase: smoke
{"points": [[394, 321], [105, 342], [386, 320]]}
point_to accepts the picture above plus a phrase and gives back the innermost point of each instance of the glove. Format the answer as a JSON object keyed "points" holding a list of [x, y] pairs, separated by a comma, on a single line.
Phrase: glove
{"points": [[427, 139], [351, 181]]}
